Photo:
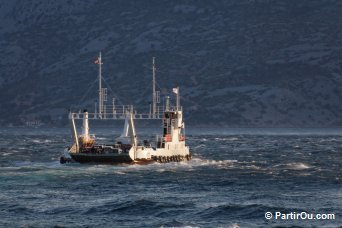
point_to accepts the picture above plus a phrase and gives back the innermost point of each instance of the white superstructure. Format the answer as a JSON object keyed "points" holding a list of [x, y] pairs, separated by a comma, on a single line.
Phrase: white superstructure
{"points": [[171, 145]]}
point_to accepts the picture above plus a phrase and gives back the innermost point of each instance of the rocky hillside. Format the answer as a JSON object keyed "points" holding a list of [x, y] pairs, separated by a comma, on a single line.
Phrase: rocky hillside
{"points": [[239, 63]]}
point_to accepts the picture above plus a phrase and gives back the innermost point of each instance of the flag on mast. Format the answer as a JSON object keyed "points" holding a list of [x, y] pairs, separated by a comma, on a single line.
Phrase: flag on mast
{"points": [[175, 90], [97, 61]]}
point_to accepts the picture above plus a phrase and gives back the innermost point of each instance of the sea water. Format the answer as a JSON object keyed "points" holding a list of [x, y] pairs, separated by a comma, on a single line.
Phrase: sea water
{"points": [[235, 177]]}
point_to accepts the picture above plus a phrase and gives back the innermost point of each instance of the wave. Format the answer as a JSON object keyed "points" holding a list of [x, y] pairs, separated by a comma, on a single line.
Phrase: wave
{"points": [[6, 154], [101, 138], [157, 167], [28, 166], [17, 209], [199, 146], [298, 166], [293, 166], [227, 139], [139, 206], [251, 211], [297, 147], [208, 162], [54, 168], [41, 141]]}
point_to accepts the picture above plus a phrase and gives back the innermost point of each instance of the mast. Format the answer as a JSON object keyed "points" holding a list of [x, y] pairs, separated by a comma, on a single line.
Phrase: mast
{"points": [[154, 98], [100, 86], [177, 98], [85, 129], [134, 140], [167, 106], [74, 131]]}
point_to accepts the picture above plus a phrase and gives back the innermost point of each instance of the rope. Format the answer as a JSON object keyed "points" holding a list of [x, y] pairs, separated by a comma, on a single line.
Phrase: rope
{"points": [[82, 99]]}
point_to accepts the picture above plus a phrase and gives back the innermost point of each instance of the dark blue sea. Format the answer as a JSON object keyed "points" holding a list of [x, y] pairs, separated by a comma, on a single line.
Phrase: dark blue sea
{"points": [[235, 177]]}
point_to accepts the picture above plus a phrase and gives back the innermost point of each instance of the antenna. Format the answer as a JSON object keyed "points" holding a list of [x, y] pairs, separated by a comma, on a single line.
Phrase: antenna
{"points": [[113, 103], [154, 98]]}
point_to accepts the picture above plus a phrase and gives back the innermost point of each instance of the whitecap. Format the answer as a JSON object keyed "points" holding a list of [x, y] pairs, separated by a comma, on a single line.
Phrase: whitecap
{"points": [[227, 139], [119, 172], [160, 170], [6, 154], [253, 167], [42, 141], [101, 138], [207, 162], [298, 166], [199, 146]]}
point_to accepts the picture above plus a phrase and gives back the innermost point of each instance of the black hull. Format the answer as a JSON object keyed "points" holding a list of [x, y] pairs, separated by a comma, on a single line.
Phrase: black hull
{"points": [[99, 158], [120, 159]]}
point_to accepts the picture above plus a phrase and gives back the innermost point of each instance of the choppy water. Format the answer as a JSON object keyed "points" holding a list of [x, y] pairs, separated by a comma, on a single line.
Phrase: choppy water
{"points": [[235, 177]]}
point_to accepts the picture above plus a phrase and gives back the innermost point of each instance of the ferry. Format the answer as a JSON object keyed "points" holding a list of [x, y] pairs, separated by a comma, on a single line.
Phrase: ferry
{"points": [[169, 146]]}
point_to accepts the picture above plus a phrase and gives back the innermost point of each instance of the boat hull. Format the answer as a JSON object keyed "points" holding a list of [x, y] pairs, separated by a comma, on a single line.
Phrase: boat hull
{"points": [[106, 154], [101, 158], [121, 159]]}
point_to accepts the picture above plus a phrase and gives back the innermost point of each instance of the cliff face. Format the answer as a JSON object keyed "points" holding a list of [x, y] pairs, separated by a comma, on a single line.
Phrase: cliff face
{"points": [[239, 63]]}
